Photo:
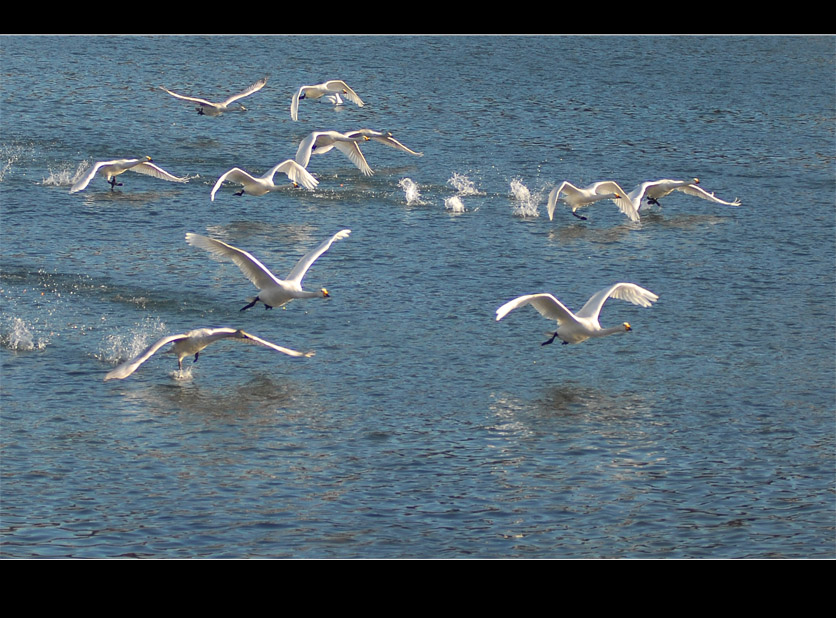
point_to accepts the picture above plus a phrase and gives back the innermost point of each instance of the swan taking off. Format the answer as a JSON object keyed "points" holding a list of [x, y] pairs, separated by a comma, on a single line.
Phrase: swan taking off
{"points": [[334, 86], [273, 292], [111, 169], [580, 326], [578, 198], [383, 138], [320, 142], [208, 108], [297, 174], [653, 190], [193, 342]]}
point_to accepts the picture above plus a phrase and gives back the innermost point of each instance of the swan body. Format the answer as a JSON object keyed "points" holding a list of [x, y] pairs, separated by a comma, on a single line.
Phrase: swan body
{"points": [[208, 108], [272, 291], [192, 343], [111, 169], [297, 174], [653, 190], [320, 142], [583, 325], [578, 198], [383, 138], [332, 87]]}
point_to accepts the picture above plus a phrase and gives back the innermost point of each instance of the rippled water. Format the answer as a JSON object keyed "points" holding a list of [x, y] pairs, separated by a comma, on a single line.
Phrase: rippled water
{"points": [[422, 427]]}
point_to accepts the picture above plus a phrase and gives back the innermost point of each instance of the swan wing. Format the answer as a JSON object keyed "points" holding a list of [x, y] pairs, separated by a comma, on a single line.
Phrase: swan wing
{"points": [[128, 367], [623, 201], [564, 187], [296, 173], [353, 152], [253, 270], [237, 175], [340, 87], [303, 153], [294, 103], [700, 192], [383, 138], [304, 264], [185, 98], [157, 172], [89, 175], [248, 337], [546, 304], [622, 291], [250, 90]]}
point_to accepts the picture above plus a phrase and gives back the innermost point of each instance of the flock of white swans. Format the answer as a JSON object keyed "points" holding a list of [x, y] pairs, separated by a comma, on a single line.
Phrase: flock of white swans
{"points": [[273, 292]]}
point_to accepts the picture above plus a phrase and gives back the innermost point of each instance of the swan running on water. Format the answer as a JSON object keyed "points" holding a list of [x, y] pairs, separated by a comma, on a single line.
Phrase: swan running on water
{"points": [[111, 169], [583, 325], [320, 142], [208, 108], [297, 174], [653, 190], [273, 292], [578, 198], [193, 342], [334, 86]]}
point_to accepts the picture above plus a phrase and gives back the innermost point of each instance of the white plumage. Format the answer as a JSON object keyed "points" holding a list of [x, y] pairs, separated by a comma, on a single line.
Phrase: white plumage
{"points": [[192, 343], [334, 86], [110, 169], [580, 326], [208, 108], [578, 198], [320, 142], [272, 291], [264, 184], [653, 190]]}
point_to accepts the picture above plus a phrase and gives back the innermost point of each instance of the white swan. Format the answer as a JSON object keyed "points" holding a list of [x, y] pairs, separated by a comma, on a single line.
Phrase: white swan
{"points": [[273, 292], [334, 86], [383, 138], [580, 326], [208, 108], [297, 174], [320, 142], [653, 190], [193, 342], [111, 169], [578, 198]]}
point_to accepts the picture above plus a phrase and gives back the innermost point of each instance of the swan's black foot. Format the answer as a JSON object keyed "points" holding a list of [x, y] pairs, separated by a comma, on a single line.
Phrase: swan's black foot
{"points": [[579, 216], [240, 193], [252, 304], [113, 183], [550, 340], [266, 306], [653, 200], [196, 354], [200, 111]]}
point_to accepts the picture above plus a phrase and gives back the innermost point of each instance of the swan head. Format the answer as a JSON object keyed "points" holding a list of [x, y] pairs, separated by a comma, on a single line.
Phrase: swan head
{"points": [[325, 293], [627, 327], [696, 181], [149, 159]]}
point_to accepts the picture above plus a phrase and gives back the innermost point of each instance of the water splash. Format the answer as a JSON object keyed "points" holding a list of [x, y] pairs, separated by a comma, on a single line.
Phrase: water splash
{"points": [[463, 185], [17, 336], [411, 193], [454, 204], [64, 176], [120, 347], [525, 205]]}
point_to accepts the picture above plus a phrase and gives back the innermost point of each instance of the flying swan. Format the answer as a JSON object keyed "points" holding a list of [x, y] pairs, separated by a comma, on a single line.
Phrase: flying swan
{"points": [[273, 292], [578, 198], [208, 108], [320, 142], [334, 86], [383, 138], [653, 190], [297, 174], [111, 169], [583, 325], [193, 342]]}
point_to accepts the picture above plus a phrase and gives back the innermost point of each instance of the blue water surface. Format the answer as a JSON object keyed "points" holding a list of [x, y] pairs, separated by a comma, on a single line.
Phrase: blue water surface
{"points": [[422, 428]]}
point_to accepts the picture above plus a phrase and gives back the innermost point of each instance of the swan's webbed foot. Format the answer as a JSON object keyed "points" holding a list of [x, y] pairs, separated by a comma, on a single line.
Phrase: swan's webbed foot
{"points": [[252, 304], [654, 201], [196, 354], [240, 193], [200, 111], [582, 218], [113, 183], [266, 306], [550, 340]]}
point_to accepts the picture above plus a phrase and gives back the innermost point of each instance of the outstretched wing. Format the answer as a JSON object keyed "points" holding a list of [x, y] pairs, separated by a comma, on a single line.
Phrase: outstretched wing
{"points": [[89, 175], [304, 264], [296, 173], [185, 98], [353, 152], [546, 304], [253, 88], [339, 86], [564, 187], [236, 175], [622, 291], [253, 270], [128, 367], [157, 172], [624, 203], [278, 348], [700, 192]]}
